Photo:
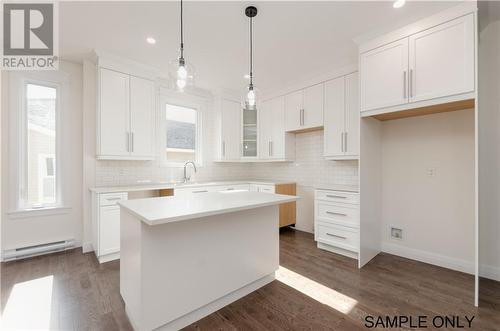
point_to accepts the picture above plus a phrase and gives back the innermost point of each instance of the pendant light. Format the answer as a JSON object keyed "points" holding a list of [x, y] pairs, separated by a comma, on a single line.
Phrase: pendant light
{"points": [[181, 72], [250, 96]]}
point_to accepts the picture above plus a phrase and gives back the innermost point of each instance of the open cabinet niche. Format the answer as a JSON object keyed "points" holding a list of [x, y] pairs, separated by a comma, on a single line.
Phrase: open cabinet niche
{"points": [[417, 182]]}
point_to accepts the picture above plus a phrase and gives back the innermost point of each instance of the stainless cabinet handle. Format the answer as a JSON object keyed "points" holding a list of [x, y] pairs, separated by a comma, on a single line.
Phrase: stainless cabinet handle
{"points": [[342, 141], [336, 236], [272, 148], [202, 191], [132, 143], [334, 213], [404, 84], [223, 148], [335, 196], [345, 142], [230, 189], [113, 199], [127, 141], [411, 83], [269, 149]]}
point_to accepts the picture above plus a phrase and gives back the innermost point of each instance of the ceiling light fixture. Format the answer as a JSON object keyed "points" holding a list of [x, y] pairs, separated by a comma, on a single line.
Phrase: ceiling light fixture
{"points": [[180, 70], [398, 3], [250, 97], [151, 40]]}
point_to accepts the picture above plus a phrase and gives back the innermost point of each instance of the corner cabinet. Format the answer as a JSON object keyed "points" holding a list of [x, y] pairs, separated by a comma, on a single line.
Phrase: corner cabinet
{"points": [[274, 143], [125, 116], [341, 118], [430, 67], [304, 109]]}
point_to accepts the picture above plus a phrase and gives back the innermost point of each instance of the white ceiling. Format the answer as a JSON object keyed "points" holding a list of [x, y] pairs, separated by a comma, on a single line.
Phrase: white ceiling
{"points": [[293, 40]]}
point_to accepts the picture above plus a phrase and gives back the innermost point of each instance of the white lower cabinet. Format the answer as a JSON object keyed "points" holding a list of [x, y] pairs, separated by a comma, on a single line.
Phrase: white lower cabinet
{"points": [[336, 221], [106, 237]]}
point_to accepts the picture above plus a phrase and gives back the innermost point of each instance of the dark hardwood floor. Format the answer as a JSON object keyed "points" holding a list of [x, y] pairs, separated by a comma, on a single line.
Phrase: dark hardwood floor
{"points": [[85, 295]]}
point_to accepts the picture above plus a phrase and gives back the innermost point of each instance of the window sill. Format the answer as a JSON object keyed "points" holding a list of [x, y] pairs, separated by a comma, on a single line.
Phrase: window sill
{"points": [[38, 212]]}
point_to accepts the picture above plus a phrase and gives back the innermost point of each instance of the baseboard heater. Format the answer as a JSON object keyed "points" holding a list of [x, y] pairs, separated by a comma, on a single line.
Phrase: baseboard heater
{"points": [[35, 250]]}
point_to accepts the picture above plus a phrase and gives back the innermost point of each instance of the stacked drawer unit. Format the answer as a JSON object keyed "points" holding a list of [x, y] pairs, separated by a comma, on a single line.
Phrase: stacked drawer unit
{"points": [[336, 221]]}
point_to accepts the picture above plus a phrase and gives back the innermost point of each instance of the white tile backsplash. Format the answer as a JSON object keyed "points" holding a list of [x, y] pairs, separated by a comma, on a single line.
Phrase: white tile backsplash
{"points": [[310, 169]]}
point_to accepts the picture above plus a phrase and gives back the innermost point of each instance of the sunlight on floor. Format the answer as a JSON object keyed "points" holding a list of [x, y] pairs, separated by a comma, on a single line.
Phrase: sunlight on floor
{"points": [[316, 291], [29, 306]]}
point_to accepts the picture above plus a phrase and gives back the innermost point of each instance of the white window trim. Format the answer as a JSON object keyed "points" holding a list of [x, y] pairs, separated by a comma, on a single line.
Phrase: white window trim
{"points": [[181, 102], [23, 146], [18, 146]]}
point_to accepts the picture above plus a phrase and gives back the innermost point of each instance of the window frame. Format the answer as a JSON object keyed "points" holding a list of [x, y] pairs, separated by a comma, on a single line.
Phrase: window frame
{"points": [[22, 203], [179, 102]]}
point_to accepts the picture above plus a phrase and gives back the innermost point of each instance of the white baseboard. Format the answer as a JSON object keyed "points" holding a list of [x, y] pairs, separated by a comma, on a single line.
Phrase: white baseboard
{"points": [[429, 257], [87, 247], [486, 271], [490, 272]]}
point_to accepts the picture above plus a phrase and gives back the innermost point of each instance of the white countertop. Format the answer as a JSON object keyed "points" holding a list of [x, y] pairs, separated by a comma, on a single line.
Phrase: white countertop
{"points": [[170, 185], [154, 211], [338, 187]]}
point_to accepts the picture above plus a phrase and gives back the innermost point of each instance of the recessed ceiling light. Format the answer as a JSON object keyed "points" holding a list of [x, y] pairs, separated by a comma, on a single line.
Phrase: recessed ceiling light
{"points": [[398, 3], [151, 40]]}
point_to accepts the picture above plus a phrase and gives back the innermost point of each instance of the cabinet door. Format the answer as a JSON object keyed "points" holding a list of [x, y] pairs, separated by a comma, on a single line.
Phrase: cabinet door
{"points": [[231, 129], [442, 60], [384, 76], [313, 106], [351, 138], [142, 106], [334, 117], [109, 230], [277, 128], [265, 128], [113, 136], [294, 104]]}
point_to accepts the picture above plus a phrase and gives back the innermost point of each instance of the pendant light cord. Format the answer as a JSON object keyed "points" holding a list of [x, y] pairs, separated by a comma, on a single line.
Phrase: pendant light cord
{"points": [[182, 34], [251, 51]]}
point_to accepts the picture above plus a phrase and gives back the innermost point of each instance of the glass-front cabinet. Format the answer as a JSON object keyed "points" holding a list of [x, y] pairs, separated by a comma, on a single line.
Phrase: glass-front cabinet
{"points": [[249, 132]]}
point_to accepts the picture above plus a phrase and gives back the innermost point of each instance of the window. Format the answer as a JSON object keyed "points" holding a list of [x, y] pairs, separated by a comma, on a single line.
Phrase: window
{"points": [[39, 180], [181, 134]]}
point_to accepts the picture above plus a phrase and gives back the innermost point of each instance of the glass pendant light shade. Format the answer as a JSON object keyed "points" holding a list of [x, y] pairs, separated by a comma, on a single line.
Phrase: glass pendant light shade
{"points": [[181, 74], [250, 97]]}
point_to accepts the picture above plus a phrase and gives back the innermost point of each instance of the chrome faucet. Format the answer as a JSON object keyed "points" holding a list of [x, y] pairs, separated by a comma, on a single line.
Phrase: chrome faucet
{"points": [[186, 178]]}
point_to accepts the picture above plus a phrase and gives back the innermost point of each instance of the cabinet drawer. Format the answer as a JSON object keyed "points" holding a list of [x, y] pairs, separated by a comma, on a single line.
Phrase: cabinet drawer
{"points": [[338, 236], [110, 199], [332, 213], [337, 196], [238, 187], [266, 188]]}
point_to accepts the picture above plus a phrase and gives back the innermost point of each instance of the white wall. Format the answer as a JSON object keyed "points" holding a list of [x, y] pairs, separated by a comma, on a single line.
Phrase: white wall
{"points": [[31, 230], [435, 210], [309, 170], [489, 139]]}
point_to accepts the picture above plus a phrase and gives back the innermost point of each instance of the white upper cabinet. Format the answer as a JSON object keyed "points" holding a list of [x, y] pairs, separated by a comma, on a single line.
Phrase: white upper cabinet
{"points": [[313, 106], [142, 100], [113, 116], [442, 60], [230, 130], [431, 63], [125, 117], [334, 117], [294, 105], [384, 76], [304, 109], [274, 142], [341, 122]]}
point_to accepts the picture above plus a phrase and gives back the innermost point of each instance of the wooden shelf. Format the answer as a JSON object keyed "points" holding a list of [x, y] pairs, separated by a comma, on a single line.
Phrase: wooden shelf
{"points": [[421, 111]]}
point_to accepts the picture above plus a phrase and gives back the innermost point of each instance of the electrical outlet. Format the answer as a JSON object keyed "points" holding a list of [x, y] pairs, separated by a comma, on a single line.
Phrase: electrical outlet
{"points": [[396, 233], [431, 172]]}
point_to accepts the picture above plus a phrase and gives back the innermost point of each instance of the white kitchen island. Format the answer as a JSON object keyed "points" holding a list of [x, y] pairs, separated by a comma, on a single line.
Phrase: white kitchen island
{"points": [[185, 257]]}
